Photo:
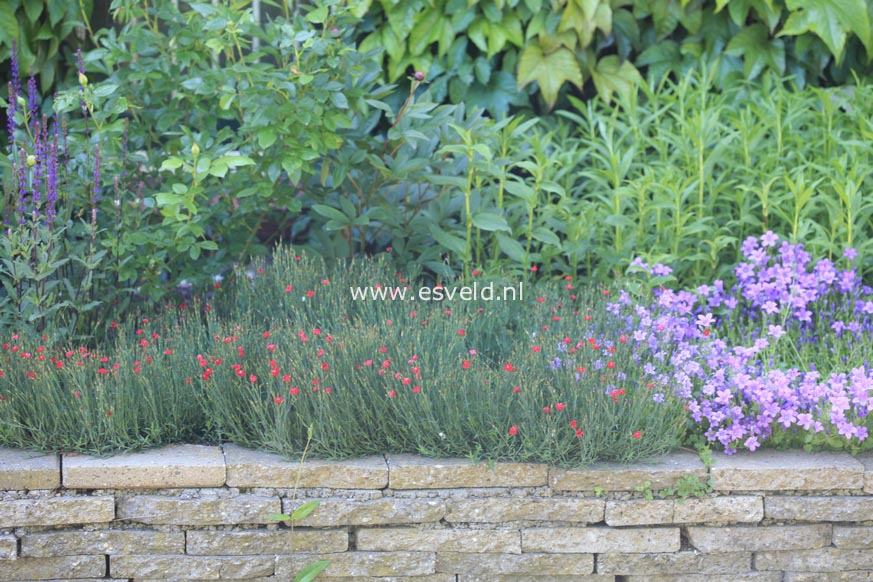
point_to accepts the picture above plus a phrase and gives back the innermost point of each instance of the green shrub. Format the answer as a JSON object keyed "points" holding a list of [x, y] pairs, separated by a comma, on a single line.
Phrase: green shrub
{"points": [[483, 51]]}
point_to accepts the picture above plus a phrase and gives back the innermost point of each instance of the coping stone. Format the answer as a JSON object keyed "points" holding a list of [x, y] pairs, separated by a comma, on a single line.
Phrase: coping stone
{"points": [[252, 468], [168, 467], [866, 459], [791, 470], [26, 470], [415, 472], [661, 472]]}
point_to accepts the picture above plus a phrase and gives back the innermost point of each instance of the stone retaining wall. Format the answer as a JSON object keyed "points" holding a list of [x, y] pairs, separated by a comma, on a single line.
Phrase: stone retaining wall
{"points": [[192, 512]]}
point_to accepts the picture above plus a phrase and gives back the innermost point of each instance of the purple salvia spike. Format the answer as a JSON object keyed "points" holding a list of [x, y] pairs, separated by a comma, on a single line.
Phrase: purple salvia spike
{"points": [[10, 115], [16, 73], [39, 154]]}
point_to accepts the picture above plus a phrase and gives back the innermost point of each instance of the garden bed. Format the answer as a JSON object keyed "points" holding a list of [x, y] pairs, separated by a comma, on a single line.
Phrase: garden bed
{"points": [[190, 512]]}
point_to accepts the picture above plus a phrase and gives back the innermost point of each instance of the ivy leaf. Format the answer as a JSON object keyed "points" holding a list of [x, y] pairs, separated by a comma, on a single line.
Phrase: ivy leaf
{"points": [[660, 59], [613, 76], [758, 50], [830, 20], [550, 71]]}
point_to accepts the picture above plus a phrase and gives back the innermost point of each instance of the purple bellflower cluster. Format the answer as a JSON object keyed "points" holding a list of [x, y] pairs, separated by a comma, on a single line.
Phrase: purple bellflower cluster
{"points": [[763, 357]]}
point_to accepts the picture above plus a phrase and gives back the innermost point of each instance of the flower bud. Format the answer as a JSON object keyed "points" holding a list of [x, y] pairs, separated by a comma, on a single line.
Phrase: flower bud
{"points": [[195, 150], [31, 161], [418, 76], [83, 80]]}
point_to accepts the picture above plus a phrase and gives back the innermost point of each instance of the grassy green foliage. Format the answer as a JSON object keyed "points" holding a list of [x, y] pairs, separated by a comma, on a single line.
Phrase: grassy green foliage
{"points": [[289, 361], [480, 51]]}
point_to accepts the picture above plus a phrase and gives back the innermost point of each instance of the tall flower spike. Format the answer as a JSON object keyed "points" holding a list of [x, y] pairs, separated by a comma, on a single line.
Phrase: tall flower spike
{"points": [[52, 181], [96, 184], [33, 103], [10, 114]]}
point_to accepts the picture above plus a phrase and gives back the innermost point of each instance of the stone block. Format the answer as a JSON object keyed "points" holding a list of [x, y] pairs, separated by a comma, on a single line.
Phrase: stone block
{"points": [[600, 540], [414, 472], [428, 578], [187, 567], [27, 470], [837, 508], [159, 509], [250, 468], [866, 459], [639, 512], [361, 563], [760, 538], [519, 564], [8, 547], [57, 511], [675, 563], [75, 543], [386, 511], [535, 578], [773, 470], [661, 472], [407, 539], [501, 509], [851, 536], [218, 543], [747, 577], [821, 560], [853, 576], [725, 510], [63, 568], [167, 467]]}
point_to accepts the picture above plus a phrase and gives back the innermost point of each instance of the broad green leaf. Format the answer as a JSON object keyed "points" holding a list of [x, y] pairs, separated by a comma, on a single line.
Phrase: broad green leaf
{"points": [[758, 50], [359, 8], [496, 39], [266, 137], [234, 161], [613, 76], [449, 241], [304, 510], [8, 24], [660, 58], [665, 13], [478, 33], [424, 32], [546, 236], [511, 247], [490, 222], [310, 571], [830, 20], [550, 71], [318, 15], [330, 212], [171, 163]]}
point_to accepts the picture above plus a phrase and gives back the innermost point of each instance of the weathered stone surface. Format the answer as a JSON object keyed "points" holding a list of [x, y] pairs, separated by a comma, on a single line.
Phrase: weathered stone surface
{"points": [[847, 537], [414, 472], [853, 576], [354, 564], [57, 511], [409, 539], [385, 511], [217, 543], [760, 538], [250, 468], [27, 470], [8, 547], [83, 543], [661, 472], [822, 560], [167, 467], [639, 512], [186, 567], [501, 509], [536, 578], [158, 509], [600, 539], [258, 579], [747, 577], [866, 459], [732, 509], [675, 563], [772, 470], [837, 508], [429, 578], [521, 564], [63, 568]]}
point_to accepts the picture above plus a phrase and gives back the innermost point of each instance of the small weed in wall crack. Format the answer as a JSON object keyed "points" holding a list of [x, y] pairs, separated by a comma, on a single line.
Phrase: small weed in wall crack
{"points": [[310, 571]]}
